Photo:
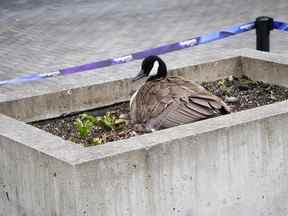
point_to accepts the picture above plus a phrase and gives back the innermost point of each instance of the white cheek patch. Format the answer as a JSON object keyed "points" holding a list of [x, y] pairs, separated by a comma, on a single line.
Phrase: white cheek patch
{"points": [[154, 69]]}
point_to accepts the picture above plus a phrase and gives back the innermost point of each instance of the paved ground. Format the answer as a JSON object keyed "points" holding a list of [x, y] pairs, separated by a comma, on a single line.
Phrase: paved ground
{"points": [[39, 36]]}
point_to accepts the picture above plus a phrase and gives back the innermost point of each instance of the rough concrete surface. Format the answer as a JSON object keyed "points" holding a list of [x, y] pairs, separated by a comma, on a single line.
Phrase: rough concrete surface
{"points": [[42, 36], [234, 164], [230, 165]]}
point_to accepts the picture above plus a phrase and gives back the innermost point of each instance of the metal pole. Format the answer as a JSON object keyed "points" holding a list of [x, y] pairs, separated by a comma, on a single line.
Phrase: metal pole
{"points": [[263, 27]]}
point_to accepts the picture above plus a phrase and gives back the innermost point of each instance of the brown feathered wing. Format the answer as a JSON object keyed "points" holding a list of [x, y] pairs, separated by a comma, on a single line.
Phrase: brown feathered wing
{"points": [[174, 101]]}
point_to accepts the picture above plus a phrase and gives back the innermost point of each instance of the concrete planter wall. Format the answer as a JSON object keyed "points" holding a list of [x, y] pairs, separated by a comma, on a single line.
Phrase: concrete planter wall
{"points": [[230, 165]]}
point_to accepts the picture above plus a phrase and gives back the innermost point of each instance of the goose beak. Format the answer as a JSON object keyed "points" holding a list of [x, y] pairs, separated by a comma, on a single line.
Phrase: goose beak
{"points": [[140, 75]]}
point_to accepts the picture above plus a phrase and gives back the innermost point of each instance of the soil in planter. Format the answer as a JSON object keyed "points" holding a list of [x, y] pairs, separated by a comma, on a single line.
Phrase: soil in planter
{"points": [[239, 93]]}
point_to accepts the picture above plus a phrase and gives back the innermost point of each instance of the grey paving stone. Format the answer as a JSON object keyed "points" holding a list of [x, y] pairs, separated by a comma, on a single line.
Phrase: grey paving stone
{"points": [[42, 36]]}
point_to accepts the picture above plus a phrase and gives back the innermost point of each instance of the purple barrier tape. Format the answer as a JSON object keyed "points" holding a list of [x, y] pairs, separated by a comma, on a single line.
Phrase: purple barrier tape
{"points": [[29, 77], [139, 55], [162, 49], [280, 26]]}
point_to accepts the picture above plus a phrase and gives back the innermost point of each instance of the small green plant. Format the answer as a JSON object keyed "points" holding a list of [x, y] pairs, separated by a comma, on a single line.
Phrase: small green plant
{"points": [[97, 141], [110, 121], [221, 84], [89, 117], [224, 86], [84, 124], [247, 81]]}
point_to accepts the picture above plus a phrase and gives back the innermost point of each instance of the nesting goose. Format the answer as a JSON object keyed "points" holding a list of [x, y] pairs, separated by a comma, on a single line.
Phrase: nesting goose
{"points": [[163, 102]]}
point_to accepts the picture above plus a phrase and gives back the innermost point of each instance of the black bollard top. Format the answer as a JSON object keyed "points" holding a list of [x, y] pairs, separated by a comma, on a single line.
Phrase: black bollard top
{"points": [[263, 27], [264, 21]]}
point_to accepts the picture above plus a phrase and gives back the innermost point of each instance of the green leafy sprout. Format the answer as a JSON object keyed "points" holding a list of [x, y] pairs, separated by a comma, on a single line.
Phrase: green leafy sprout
{"points": [[84, 125], [86, 122], [110, 121]]}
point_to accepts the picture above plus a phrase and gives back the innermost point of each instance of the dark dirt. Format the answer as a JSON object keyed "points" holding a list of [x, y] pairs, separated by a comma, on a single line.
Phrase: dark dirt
{"points": [[245, 93], [239, 93], [64, 126]]}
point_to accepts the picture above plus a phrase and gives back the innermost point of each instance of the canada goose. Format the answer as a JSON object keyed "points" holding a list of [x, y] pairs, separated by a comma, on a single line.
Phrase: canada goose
{"points": [[163, 102]]}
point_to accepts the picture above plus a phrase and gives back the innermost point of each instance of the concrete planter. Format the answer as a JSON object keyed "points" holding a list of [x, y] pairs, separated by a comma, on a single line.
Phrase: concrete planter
{"points": [[230, 165]]}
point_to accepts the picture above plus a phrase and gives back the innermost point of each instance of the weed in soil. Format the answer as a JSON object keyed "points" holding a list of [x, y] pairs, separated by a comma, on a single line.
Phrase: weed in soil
{"points": [[91, 128]]}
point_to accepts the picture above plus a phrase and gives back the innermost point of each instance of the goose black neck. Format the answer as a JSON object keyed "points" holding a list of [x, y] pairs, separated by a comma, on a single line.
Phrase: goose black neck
{"points": [[161, 71]]}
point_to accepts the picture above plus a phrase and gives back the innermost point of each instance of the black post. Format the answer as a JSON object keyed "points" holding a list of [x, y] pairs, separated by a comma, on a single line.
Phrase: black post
{"points": [[263, 27]]}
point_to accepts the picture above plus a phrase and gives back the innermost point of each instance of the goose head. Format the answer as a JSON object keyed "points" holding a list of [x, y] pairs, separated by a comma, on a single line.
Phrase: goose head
{"points": [[147, 66]]}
